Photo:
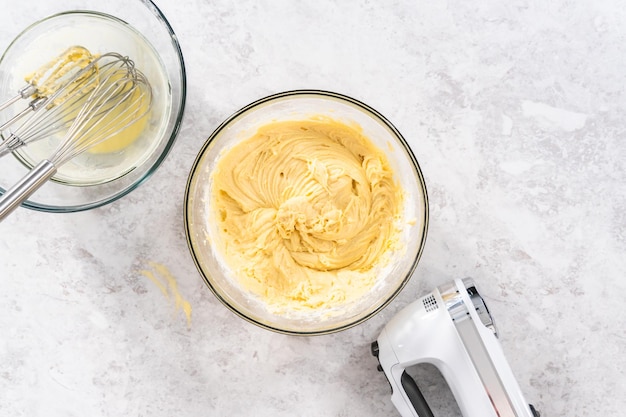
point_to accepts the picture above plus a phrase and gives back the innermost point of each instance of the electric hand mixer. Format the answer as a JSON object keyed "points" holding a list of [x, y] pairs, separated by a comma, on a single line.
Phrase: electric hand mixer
{"points": [[452, 329]]}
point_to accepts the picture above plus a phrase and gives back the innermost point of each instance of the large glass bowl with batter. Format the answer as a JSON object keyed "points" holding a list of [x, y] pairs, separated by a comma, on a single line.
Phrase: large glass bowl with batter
{"points": [[133, 28], [202, 220]]}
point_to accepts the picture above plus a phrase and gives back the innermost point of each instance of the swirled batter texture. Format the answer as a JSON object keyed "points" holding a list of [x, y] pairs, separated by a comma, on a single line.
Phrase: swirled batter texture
{"points": [[306, 211]]}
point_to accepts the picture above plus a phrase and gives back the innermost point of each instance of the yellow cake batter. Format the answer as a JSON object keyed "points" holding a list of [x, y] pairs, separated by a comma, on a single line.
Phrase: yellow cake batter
{"points": [[161, 276], [53, 75], [130, 133], [307, 210]]}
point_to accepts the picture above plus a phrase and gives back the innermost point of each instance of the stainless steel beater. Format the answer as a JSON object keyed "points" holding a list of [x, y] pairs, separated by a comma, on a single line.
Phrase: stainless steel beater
{"points": [[59, 115], [120, 96], [49, 78], [63, 105]]}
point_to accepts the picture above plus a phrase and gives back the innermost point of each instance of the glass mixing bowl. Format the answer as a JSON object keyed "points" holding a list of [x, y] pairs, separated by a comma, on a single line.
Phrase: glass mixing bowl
{"points": [[200, 225], [133, 28]]}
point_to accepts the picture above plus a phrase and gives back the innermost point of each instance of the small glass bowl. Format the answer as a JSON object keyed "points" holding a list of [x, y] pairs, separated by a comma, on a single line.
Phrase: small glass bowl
{"points": [[300, 105], [135, 28]]}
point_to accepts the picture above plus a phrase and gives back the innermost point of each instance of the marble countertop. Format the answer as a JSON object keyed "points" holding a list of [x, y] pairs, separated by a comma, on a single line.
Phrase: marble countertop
{"points": [[516, 113]]}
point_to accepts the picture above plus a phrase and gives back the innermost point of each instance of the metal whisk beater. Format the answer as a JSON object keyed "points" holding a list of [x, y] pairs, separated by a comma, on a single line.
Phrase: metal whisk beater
{"points": [[115, 97], [62, 107], [52, 76]]}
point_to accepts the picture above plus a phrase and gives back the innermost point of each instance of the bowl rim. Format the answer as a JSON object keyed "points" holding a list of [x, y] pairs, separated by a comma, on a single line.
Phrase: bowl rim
{"points": [[158, 14], [277, 96]]}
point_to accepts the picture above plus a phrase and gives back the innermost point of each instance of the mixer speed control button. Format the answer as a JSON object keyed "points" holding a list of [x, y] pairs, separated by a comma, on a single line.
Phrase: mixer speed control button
{"points": [[374, 348]]}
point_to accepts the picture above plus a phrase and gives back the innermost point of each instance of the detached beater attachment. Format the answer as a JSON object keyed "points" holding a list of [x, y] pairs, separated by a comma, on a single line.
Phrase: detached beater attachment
{"points": [[48, 79], [114, 97], [62, 106]]}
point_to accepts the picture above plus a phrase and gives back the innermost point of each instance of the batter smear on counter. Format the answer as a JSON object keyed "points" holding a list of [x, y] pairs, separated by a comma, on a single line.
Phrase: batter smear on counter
{"points": [[307, 210]]}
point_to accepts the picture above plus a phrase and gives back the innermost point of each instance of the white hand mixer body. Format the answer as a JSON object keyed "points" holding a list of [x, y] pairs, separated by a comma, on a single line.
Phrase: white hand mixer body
{"points": [[451, 329]]}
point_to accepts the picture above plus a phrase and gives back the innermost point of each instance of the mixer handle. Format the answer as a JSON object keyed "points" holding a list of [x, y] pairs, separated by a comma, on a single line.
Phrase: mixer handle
{"points": [[415, 396]]}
